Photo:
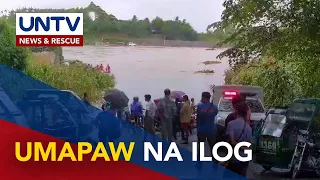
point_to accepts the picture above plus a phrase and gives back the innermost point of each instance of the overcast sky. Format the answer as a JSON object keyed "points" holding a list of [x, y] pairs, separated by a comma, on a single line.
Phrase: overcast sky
{"points": [[199, 13]]}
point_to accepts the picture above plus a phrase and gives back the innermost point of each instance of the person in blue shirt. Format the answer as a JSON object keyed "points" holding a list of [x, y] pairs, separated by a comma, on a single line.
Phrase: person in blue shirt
{"points": [[136, 110], [108, 124], [206, 113]]}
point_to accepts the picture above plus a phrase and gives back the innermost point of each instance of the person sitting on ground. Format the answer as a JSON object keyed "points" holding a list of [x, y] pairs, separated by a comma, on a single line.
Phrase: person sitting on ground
{"points": [[136, 110], [239, 130], [185, 117]]}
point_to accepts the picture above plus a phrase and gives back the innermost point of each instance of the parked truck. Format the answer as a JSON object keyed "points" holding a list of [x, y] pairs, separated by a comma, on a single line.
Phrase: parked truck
{"points": [[223, 95]]}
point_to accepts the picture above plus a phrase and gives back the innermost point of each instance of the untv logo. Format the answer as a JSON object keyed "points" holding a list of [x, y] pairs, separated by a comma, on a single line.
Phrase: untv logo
{"points": [[49, 29]]}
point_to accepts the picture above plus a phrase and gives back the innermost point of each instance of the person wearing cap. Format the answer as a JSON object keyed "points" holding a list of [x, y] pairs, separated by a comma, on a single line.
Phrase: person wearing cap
{"points": [[149, 116], [168, 110], [206, 113]]}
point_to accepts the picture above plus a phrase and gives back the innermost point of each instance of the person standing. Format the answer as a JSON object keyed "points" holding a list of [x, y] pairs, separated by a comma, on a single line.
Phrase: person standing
{"points": [[108, 124], [221, 131], [176, 125], [193, 104], [239, 130], [101, 68], [206, 113], [232, 116], [136, 110], [168, 109], [185, 117], [193, 115], [149, 116]]}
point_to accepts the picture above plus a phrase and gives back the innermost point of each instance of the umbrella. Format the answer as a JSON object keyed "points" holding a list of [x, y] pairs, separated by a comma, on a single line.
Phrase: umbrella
{"points": [[177, 94], [117, 98]]}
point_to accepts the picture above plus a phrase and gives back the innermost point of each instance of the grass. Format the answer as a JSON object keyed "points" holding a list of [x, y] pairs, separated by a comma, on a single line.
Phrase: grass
{"points": [[211, 62], [205, 71], [76, 77]]}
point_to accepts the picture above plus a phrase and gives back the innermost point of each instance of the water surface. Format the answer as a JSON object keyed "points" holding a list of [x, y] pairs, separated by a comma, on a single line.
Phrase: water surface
{"points": [[141, 70]]}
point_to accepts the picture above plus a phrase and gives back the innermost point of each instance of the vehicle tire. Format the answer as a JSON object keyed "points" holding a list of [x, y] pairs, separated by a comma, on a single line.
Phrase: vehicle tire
{"points": [[267, 168]]}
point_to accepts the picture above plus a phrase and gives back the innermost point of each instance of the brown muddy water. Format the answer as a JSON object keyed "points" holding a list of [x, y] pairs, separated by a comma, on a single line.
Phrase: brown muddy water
{"points": [[142, 70]]}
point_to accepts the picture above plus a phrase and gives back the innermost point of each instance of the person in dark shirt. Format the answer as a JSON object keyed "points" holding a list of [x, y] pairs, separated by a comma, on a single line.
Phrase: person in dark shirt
{"points": [[235, 100], [109, 125], [176, 122]]}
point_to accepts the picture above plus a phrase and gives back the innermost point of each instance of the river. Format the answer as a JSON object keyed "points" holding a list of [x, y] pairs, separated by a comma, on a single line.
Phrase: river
{"points": [[141, 70]]}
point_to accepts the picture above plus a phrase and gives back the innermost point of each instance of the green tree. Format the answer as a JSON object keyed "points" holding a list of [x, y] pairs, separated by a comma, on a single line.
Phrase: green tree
{"points": [[16, 57], [288, 31], [157, 24]]}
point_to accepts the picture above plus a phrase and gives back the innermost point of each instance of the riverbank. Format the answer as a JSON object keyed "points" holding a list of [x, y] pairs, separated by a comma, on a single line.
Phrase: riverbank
{"points": [[153, 42]]}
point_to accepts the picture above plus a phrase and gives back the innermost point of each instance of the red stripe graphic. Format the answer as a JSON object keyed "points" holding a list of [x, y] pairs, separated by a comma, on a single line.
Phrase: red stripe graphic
{"points": [[11, 168]]}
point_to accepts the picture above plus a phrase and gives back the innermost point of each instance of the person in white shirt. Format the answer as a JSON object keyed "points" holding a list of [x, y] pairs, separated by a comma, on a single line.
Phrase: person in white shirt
{"points": [[149, 116]]}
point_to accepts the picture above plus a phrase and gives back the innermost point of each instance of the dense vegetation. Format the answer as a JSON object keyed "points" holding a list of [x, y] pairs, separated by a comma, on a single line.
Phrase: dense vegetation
{"points": [[276, 45], [76, 77], [11, 55], [106, 24]]}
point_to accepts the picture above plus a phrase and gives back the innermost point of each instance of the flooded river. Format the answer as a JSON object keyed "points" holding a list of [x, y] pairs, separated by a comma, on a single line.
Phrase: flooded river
{"points": [[141, 70]]}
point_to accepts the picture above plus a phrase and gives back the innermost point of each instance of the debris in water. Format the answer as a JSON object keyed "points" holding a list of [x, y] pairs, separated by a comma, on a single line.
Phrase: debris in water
{"points": [[211, 62], [205, 71]]}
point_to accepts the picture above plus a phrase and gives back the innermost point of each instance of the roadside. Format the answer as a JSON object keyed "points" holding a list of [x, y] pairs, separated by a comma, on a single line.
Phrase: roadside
{"points": [[254, 171]]}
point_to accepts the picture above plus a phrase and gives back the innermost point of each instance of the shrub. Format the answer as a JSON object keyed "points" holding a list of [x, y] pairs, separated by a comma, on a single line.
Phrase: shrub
{"points": [[10, 55], [76, 77], [267, 73]]}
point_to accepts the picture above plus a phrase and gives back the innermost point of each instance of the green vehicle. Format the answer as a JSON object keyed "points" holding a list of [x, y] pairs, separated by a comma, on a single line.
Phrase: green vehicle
{"points": [[291, 139]]}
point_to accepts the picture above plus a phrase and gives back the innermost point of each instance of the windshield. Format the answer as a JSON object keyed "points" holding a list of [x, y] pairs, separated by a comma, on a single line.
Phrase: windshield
{"points": [[301, 111], [67, 98], [255, 105], [274, 125]]}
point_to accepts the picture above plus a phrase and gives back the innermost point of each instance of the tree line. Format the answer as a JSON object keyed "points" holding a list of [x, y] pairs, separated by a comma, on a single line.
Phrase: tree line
{"points": [[105, 24], [275, 45]]}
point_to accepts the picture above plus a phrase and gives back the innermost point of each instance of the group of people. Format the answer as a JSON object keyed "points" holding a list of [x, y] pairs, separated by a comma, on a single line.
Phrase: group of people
{"points": [[101, 68], [176, 114], [173, 115]]}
